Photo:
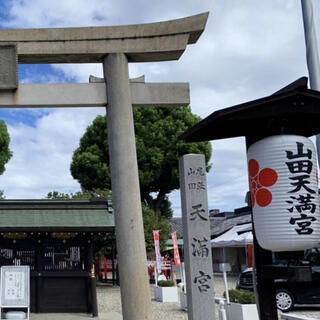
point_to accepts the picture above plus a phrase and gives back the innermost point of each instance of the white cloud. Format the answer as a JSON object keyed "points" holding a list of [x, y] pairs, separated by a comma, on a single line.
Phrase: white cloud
{"points": [[42, 154], [79, 72], [49, 13], [249, 49]]}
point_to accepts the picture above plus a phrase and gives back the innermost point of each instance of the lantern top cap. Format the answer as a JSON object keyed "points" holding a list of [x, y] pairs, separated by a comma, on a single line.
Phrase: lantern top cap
{"points": [[294, 109]]}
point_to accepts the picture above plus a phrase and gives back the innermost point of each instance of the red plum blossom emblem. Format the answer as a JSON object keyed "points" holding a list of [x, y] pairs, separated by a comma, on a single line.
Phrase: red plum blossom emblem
{"points": [[259, 181]]}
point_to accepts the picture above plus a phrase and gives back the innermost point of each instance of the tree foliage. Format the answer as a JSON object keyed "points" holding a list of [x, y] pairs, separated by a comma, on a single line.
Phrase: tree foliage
{"points": [[56, 195], [158, 151], [5, 153], [152, 221]]}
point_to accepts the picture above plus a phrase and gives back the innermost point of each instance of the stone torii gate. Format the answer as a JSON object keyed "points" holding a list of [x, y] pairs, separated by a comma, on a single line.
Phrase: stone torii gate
{"points": [[114, 47]]}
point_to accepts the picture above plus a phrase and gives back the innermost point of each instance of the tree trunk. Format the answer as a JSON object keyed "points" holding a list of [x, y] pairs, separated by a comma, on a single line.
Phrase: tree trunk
{"points": [[157, 202]]}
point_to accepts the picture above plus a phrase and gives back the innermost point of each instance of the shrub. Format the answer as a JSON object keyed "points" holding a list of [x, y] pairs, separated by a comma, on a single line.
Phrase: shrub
{"points": [[243, 297], [166, 283]]}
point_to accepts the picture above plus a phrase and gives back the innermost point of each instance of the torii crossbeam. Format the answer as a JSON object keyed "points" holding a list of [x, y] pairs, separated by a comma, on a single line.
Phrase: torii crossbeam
{"points": [[65, 95], [114, 47]]}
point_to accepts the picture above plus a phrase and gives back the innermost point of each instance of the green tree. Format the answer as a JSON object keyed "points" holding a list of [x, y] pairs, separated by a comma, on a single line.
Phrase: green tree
{"points": [[5, 153], [158, 151], [56, 195], [152, 221]]}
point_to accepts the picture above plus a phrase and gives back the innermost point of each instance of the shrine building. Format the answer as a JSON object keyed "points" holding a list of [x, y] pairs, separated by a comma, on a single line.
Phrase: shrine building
{"points": [[55, 238]]}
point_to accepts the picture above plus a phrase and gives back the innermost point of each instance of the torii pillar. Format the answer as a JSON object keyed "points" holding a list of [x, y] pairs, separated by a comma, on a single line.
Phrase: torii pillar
{"points": [[114, 47], [135, 292]]}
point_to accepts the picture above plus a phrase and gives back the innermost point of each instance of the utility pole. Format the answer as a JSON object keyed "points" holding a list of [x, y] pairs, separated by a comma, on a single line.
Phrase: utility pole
{"points": [[312, 52]]}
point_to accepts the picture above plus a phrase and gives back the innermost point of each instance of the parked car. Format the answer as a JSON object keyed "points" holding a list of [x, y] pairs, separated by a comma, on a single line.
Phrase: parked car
{"points": [[289, 292]]}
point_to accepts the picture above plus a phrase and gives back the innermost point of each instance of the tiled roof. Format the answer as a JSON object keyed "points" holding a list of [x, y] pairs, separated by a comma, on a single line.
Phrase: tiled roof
{"points": [[218, 225], [80, 215], [176, 225]]}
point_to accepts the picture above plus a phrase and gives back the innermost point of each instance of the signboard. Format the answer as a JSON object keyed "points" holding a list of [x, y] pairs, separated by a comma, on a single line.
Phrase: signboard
{"points": [[177, 260], [196, 237], [157, 250], [15, 286], [284, 192]]}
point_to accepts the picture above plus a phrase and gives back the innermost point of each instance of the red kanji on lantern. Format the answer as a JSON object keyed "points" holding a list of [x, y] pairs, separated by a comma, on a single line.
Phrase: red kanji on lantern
{"points": [[258, 181]]}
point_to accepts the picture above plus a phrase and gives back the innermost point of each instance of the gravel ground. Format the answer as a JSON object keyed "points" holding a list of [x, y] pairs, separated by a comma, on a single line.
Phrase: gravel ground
{"points": [[109, 301]]}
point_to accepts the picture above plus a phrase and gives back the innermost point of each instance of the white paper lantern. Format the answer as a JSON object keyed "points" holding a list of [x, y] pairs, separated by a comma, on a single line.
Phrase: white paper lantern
{"points": [[284, 191]]}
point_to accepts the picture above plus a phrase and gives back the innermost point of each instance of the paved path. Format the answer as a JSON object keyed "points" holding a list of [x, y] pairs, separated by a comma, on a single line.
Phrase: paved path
{"points": [[109, 302]]}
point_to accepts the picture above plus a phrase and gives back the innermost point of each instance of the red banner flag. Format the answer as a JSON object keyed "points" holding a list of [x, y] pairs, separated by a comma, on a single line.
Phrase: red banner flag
{"points": [[177, 261], [157, 249]]}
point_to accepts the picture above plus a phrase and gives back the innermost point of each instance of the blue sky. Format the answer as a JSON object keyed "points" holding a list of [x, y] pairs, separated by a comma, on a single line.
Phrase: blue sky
{"points": [[249, 49]]}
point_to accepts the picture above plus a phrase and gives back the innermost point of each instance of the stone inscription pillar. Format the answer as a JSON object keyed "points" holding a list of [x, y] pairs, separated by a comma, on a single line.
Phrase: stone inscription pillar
{"points": [[134, 282], [196, 237]]}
